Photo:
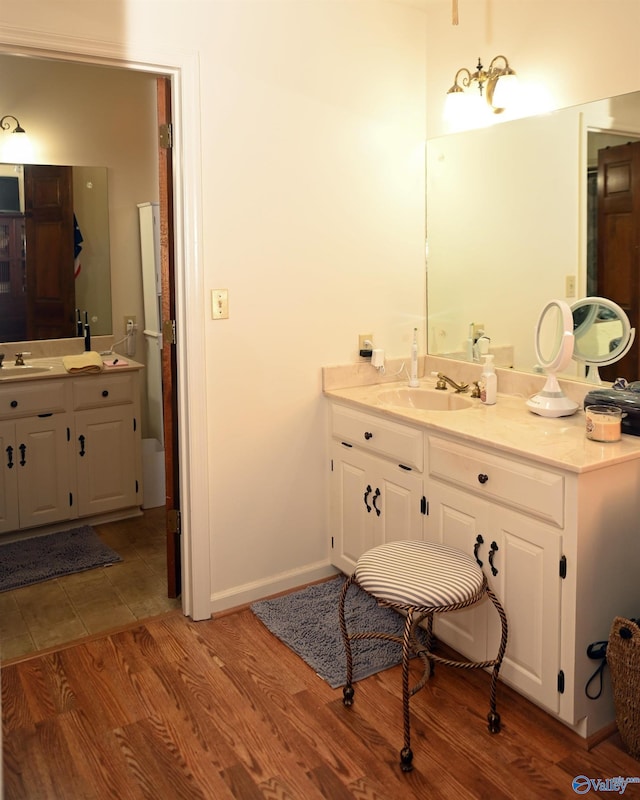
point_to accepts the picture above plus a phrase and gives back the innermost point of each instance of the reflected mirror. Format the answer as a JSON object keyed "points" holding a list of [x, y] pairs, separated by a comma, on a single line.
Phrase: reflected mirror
{"points": [[602, 334], [512, 219], [54, 251]]}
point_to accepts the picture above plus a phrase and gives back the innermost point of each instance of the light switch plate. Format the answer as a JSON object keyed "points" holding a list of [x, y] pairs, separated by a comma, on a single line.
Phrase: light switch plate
{"points": [[570, 286], [219, 304]]}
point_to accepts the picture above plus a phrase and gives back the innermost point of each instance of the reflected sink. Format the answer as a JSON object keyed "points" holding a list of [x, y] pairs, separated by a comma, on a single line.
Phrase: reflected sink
{"points": [[12, 371], [425, 399]]}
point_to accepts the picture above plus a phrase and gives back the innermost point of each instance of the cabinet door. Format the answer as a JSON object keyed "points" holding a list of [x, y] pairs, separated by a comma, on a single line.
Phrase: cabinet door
{"points": [[105, 459], [9, 516], [399, 503], [44, 483], [528, 584], [372, 501], [524, 554], [352, 527], [460, 520]]}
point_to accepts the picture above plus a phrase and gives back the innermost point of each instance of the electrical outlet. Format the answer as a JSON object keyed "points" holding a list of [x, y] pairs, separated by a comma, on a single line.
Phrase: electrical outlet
{"points": [[364, 337], [570, 286], [126, 319], [219, 304]]}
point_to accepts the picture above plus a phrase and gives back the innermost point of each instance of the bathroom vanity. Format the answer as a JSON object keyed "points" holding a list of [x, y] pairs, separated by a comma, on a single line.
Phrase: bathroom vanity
{"points": [[552, 518], [70, 444]]}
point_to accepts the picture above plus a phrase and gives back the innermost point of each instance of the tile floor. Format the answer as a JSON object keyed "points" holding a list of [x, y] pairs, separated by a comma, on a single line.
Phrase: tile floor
{"points": [[64, 609]]}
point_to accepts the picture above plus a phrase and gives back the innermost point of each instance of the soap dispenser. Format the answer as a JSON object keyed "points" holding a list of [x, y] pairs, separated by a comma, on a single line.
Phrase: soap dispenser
{"points": [[488, 382]]}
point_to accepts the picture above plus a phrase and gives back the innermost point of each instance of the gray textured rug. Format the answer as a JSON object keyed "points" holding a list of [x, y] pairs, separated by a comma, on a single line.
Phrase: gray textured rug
{"points": [[307, 622], [44, 557]]}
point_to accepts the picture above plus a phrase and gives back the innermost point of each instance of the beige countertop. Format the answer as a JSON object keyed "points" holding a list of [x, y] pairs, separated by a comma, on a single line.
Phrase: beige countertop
{"points": [[508, 426], [52, 367]]}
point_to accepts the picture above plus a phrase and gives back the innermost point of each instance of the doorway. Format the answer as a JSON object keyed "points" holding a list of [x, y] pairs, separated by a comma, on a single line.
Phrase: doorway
{"points": [[182, 70]]}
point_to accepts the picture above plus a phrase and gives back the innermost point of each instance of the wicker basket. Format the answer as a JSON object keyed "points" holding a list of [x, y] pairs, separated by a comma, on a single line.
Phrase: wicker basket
{"points": [[623, 658]]}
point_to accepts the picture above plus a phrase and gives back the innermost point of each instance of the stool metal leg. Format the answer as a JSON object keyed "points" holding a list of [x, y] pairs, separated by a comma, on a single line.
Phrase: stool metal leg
{"points": [[347, 692], [493, 717], [406, 754]]}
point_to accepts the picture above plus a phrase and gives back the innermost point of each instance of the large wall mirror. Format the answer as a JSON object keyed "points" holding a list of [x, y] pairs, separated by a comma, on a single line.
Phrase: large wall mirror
{"points": [[512, 223], [54, 251]]}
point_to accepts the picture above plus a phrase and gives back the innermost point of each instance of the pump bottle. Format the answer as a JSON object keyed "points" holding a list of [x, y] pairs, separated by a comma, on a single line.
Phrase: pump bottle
{"points": [[488, 382]]}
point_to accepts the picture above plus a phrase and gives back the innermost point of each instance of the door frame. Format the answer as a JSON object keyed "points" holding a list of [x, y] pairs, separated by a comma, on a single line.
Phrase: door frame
{"points": [[183, 70]]}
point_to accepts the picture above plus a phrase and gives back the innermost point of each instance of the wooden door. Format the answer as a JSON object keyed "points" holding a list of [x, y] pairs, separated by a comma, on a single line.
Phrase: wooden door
{"points": [[169, 366], [49, 257], [618, 243], [13, 307]]}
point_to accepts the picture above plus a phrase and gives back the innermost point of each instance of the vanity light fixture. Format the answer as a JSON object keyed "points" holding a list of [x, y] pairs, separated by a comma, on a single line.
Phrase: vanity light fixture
{"points": [[498, 84], [17, 148], [6, 125]]}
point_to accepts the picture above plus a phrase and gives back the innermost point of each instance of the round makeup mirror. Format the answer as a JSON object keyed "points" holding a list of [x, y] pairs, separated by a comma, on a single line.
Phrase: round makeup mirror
{"points": [[554, 345], [602, 334]]}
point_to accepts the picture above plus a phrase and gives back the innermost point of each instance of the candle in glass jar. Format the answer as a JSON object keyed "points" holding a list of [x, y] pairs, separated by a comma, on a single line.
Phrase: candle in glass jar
{"points": [[604, 423]]}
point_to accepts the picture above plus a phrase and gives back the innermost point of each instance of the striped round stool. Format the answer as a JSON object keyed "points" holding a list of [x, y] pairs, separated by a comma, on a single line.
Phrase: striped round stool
{"points": [[420, 579]]}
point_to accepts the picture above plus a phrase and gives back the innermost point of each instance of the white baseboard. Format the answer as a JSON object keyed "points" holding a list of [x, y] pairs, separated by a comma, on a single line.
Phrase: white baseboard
{"points": [[250, 592]]}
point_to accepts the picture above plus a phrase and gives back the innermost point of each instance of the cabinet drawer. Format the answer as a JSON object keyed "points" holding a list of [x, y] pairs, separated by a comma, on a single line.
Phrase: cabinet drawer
{"points": [[537, 492], [399, 443], [32, 398], [94, 392]]}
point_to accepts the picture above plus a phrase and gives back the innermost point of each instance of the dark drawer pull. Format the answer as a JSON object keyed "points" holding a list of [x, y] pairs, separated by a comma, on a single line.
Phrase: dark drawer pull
{"points": [[494, 549], [375, 498], [483, 478], [476, 548], [105, 393], [368, 435], [14, 404]]}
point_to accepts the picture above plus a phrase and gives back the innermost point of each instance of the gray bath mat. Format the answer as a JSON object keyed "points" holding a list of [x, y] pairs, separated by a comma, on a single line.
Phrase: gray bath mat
{"points": [[307, 622], [41, 558]]}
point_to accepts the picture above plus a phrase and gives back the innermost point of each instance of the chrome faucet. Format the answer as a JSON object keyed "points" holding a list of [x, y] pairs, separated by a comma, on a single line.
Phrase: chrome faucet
{"points": [[443, 380], [20, 359]]}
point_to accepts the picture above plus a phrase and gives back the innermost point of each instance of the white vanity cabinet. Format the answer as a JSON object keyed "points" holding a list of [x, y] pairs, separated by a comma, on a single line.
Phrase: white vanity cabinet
{"points": [[34, 434], [554, 518], [565, 548], [107, 442], [376, 483], [509, 515], [70, 448]]}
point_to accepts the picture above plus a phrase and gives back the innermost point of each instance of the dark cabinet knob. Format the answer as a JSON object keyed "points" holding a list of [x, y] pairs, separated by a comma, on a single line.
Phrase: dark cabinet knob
{"points": [[105, 393], [483, 478], [368, 435], [14, 404]]}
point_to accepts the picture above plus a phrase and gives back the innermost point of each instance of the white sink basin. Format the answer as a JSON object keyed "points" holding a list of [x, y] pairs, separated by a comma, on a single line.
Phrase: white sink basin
{"points": [[13, 371], [425, 399]]}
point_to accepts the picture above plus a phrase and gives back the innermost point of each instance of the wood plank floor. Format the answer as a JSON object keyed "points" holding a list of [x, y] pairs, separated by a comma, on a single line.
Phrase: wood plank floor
{"points": [[171, 709]]}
